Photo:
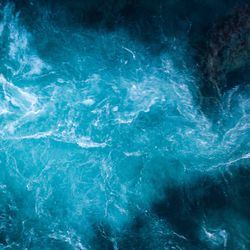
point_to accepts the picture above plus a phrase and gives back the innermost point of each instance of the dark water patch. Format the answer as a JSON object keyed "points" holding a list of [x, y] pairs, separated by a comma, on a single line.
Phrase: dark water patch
{"points": [[186, 206]]}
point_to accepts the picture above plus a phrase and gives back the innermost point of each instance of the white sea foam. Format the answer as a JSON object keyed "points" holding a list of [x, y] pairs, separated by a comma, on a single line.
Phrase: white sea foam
{"points": [[38, 135], [17, 96], [128, 117], [19, 48], [88, 102], [86, 142]]}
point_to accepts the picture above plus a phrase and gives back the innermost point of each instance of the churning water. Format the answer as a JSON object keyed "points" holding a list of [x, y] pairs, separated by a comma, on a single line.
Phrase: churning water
{"points": [[104, 144]]}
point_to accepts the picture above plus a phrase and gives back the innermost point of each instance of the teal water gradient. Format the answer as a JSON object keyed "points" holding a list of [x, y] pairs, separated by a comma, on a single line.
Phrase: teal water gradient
{"points": [[94, 129]]}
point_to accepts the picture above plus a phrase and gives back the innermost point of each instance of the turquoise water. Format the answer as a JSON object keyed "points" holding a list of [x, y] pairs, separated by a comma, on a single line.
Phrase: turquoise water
{"points": [[104, 145]]}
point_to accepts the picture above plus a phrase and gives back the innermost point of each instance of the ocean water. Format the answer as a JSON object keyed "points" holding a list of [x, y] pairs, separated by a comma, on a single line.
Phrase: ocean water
{"points": [[104, 143]]}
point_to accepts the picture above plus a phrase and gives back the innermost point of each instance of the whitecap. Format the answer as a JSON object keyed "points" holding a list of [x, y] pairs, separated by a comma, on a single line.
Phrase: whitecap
{"points": [[17, 96], [86, 142], [88, 102]]}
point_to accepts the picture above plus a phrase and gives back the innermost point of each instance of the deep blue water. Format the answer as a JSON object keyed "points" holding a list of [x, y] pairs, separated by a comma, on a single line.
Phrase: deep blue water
{"points": [[106, 141]]}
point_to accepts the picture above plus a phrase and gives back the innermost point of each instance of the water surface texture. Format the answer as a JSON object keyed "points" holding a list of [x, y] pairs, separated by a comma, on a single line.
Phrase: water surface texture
{"points": [[107, 137]]}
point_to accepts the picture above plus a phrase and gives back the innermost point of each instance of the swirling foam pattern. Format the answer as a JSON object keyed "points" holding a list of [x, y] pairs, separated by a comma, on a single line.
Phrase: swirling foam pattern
{"points": [[103, 144]]}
